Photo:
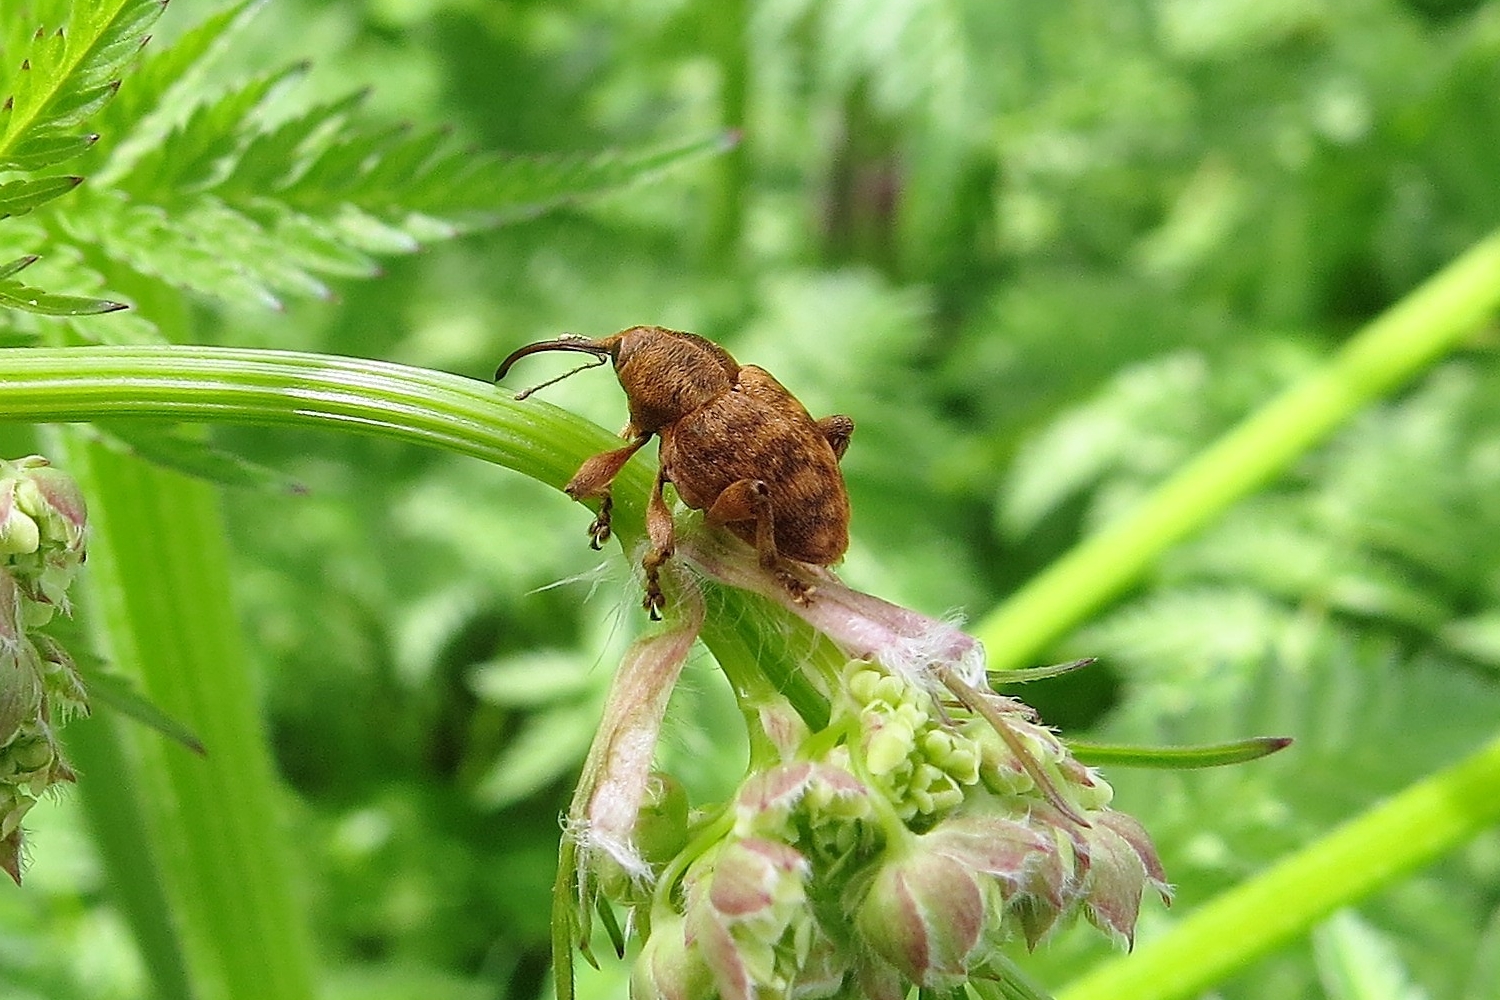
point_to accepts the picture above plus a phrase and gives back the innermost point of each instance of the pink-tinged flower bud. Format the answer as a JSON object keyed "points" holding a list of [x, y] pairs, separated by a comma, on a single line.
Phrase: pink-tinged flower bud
{"points": [[616, 779], [924, 913], [43, 524], [748, 909], [19, 532], [1122, 863], [10, 855], [668, 967], [52, 498]]}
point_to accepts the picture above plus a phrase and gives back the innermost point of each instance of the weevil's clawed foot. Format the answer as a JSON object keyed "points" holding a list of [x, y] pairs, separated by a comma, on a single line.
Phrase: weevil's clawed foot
{"points": [[799, 591], [655, 599], [599, 529]]}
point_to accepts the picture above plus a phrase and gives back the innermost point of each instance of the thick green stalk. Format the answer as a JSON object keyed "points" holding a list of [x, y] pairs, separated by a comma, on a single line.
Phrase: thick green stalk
{"points": [[1391, 840], [237, 385], [158, 586], [112, 796], [1420, 328]]}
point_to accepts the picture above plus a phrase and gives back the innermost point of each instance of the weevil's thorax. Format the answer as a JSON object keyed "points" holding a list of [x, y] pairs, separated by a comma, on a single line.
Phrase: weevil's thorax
{"points": [[667, 374]]}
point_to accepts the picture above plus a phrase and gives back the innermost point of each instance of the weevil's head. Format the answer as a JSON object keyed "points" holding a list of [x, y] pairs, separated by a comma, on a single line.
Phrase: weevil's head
{"points": [[666, 374], [567, 342]]}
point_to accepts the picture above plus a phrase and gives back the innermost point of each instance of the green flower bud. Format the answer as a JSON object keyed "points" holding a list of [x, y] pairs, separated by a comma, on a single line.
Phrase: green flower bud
{"points": [[30, 764], [668, 968], [19, 533], [888, 742], [52, 498], [661, 829]]}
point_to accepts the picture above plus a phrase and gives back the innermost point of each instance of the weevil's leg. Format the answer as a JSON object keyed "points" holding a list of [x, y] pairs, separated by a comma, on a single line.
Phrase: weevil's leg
{"points": [[750, 500], [837, 430], [659, 530], [593, 479]]}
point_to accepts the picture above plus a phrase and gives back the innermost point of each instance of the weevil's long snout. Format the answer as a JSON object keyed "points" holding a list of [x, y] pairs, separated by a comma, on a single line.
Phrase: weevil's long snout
{"points": [[581, 344]]}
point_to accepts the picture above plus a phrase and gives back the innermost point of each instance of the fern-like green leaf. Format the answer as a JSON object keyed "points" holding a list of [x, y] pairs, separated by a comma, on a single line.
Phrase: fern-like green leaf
{"points": [[66, 75], [152, 88], [43, 150], [20, 197], [189, 449], [234, 199], [19, 295], [197, 152]]}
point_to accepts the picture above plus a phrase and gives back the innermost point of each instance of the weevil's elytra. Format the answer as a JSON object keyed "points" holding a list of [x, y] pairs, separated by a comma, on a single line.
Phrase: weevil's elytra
{"points": [[734, 442]]}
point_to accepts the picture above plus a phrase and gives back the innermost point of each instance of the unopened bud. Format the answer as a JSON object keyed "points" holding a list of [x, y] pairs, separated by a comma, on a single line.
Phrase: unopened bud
{"points": [[661, 828], [19, 532], [746, 910], [53, 499], [668, 968], [1122, 863], [924, 913]]}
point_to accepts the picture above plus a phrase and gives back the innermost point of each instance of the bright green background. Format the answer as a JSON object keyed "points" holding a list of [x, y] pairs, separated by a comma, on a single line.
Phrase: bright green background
{"points": [[1043, 254]]}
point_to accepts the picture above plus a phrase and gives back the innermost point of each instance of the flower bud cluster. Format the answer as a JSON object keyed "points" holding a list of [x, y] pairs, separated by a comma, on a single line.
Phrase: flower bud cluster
{"points": [[43, 527], [920, 765], [900, 847]]}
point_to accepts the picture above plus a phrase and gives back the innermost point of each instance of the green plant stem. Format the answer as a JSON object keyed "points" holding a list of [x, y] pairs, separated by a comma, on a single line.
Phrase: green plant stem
{"points": [[1388, 841], [116, 812], [1451, 305], [220, 384], [159, 572]]}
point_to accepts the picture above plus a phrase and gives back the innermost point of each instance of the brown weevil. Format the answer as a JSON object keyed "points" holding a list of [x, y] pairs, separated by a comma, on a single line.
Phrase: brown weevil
{"points": [[735, 444]]}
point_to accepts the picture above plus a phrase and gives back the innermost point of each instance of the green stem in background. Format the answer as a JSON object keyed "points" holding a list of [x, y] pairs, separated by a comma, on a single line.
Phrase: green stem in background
{"points": [[117, 812], [159, 577], [727, 26], [1448, 307], [1387, 842]]}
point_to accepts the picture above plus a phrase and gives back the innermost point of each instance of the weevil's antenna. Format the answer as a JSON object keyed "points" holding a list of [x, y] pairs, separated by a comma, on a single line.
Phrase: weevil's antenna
{"points": [[567, 342], [552, 381]]}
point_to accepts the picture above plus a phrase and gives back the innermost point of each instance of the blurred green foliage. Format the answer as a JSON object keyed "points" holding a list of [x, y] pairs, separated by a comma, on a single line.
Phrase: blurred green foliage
{"points": [[1041, 253]]}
